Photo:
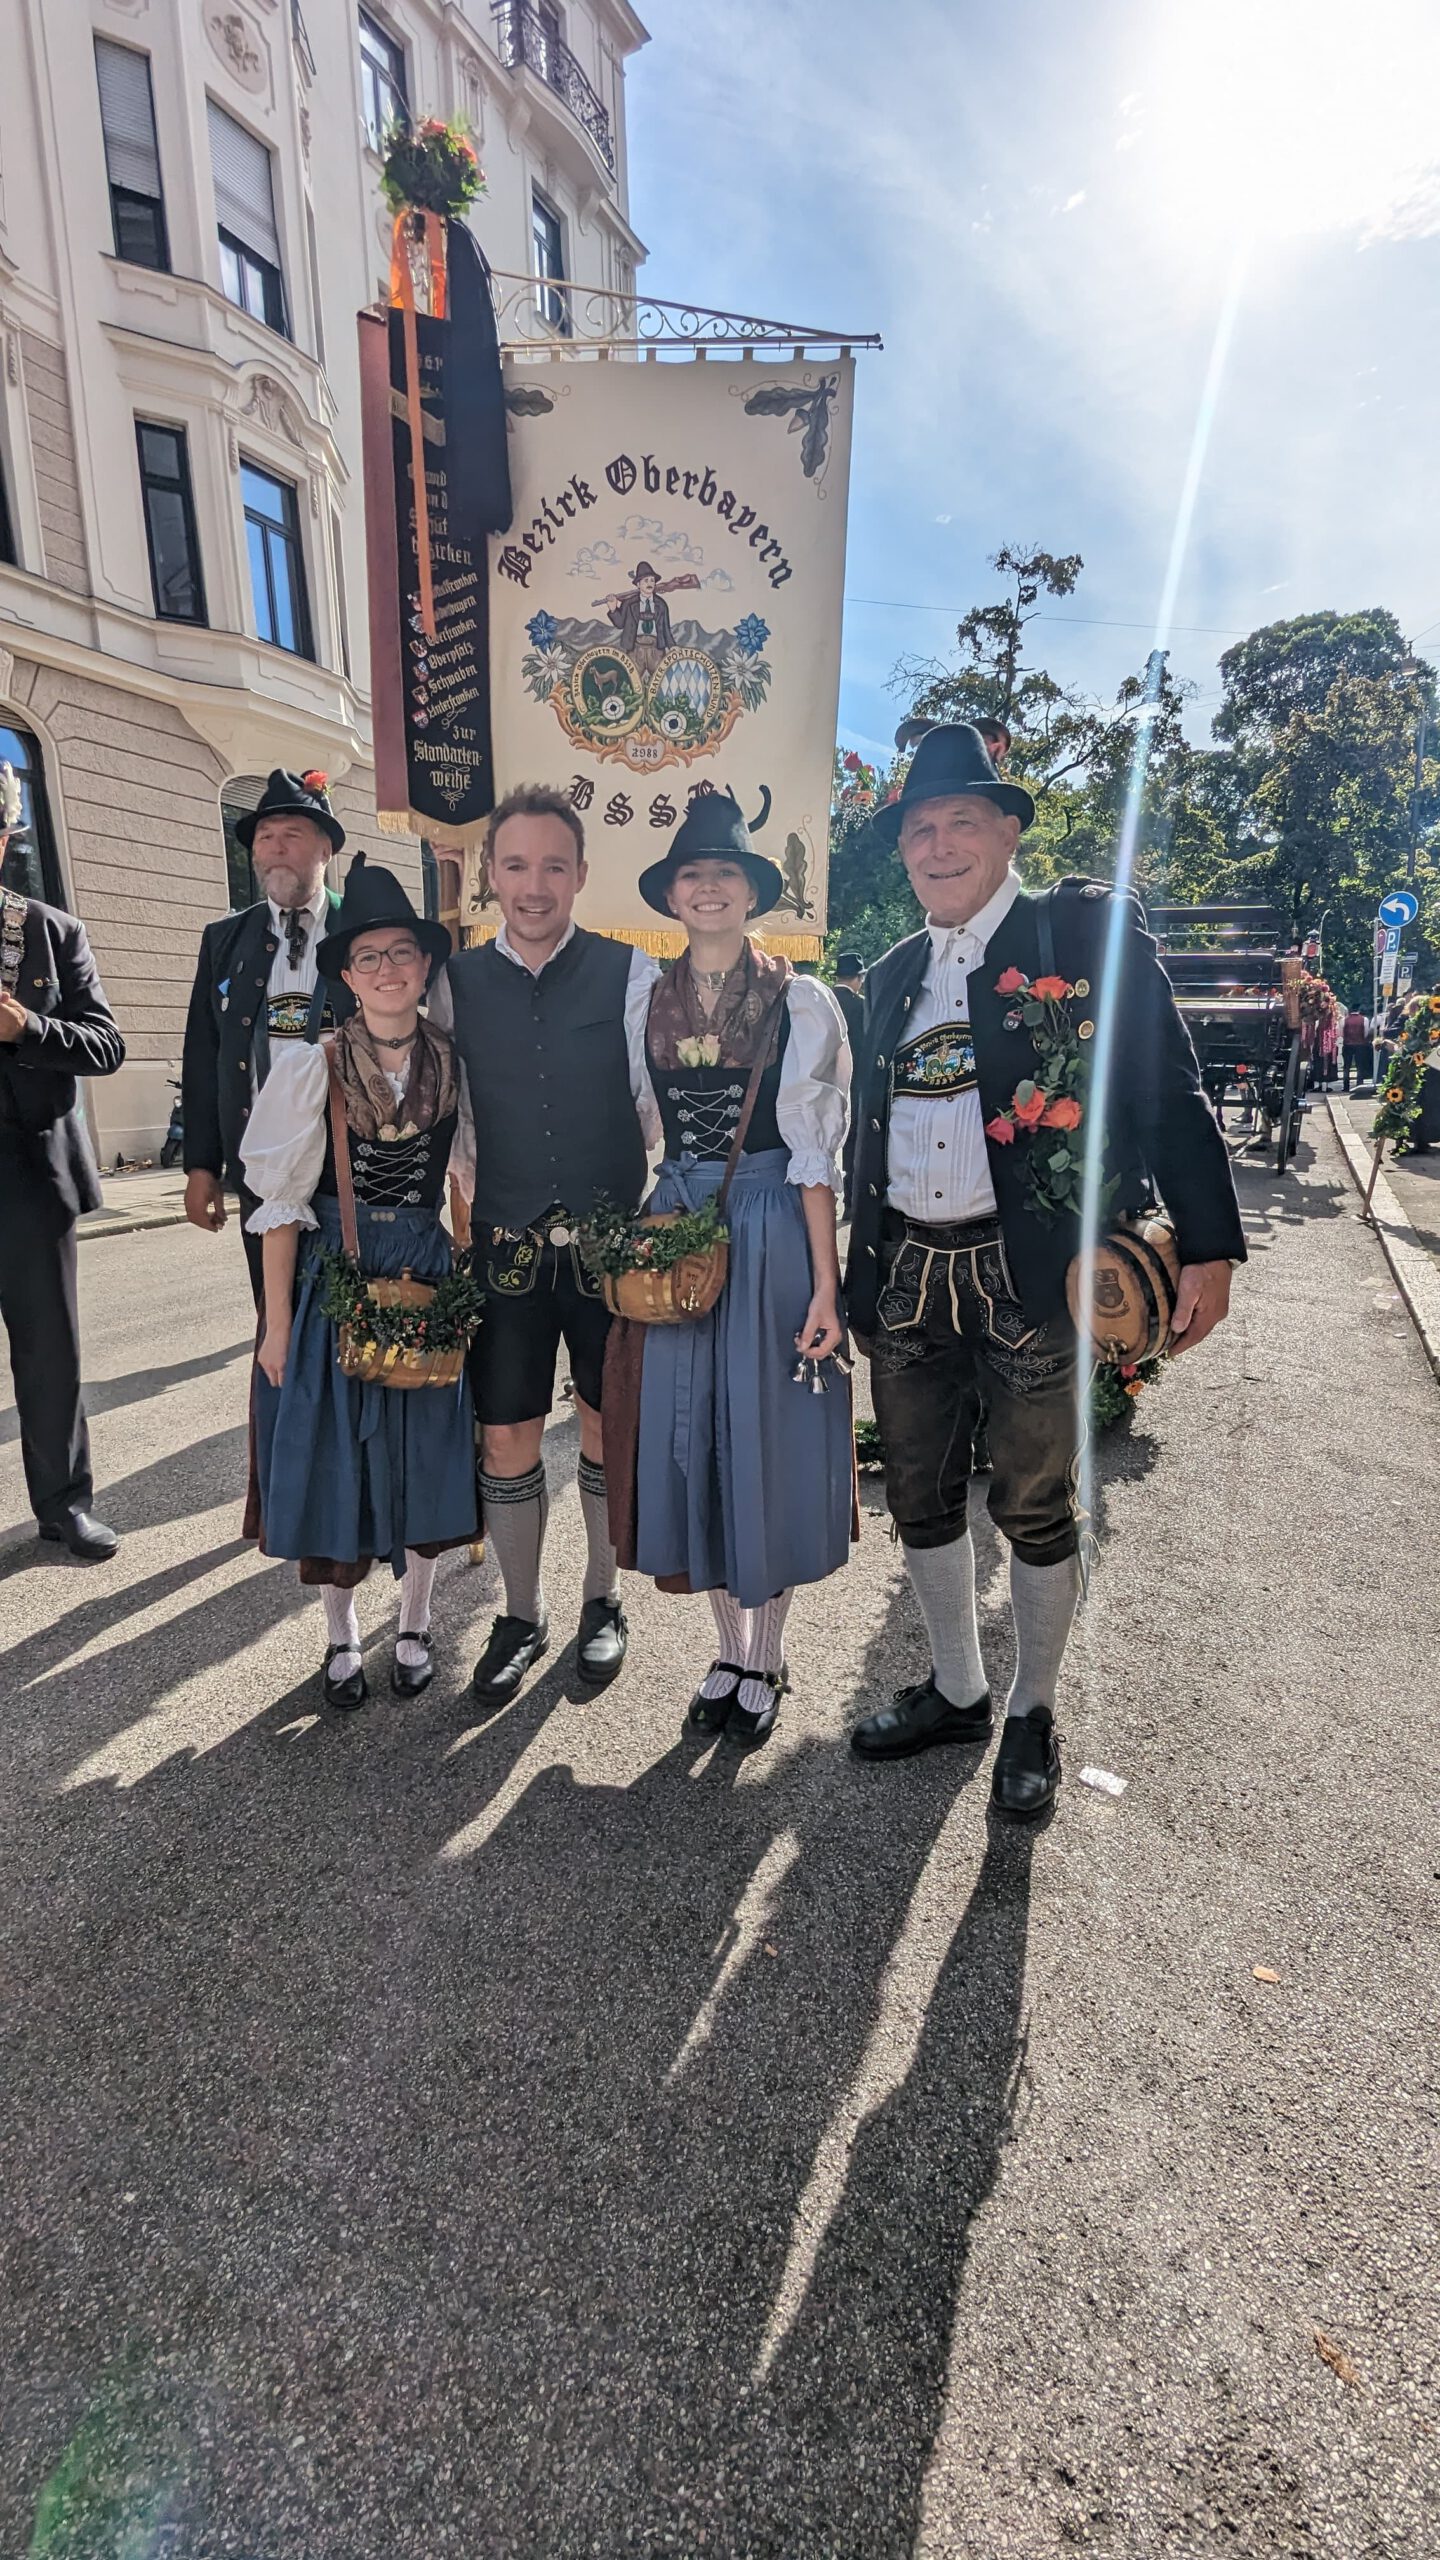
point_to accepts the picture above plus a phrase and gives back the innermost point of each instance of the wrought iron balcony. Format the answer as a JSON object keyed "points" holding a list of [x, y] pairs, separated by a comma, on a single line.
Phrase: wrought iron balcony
{"points": [[529, 39]]}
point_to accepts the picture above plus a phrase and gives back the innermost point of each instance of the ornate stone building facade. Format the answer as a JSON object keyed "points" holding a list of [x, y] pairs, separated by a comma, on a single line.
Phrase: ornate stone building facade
{"points": [[190, 218]]}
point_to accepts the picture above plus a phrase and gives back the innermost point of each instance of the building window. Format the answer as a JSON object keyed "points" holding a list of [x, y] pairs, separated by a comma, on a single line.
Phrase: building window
{"points": [[382, 81], [245, 213], [549, 246], [32, 867], [277, 564], [132, 156], [238, 798], [170, 523], [342, 616]]}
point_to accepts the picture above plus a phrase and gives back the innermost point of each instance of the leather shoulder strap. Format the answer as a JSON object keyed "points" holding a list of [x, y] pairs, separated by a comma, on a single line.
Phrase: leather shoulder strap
{"points": [[340, 1135]]}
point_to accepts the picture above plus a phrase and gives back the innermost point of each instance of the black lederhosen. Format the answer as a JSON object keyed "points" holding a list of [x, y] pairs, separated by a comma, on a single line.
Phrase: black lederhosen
{"points": [[537, 1295], [952, 1344]]}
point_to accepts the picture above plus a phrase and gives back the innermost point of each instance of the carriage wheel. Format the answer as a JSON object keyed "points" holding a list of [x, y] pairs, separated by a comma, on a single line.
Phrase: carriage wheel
{"points": [[1289, 1137]]}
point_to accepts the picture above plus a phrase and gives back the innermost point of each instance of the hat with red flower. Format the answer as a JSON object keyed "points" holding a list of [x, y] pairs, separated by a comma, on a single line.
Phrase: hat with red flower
{"points": [[293, 795]]}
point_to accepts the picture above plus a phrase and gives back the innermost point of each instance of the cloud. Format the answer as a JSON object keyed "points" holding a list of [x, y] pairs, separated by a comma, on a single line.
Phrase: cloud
{"points": [[1071, 202]]}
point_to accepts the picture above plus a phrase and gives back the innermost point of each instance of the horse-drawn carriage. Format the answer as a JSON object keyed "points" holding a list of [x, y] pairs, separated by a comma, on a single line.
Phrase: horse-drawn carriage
{"points": [[1240, 996]]}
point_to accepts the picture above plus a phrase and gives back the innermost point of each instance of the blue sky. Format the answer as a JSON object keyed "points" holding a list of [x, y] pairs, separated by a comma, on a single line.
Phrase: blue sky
{"points": [[1041, 207]]}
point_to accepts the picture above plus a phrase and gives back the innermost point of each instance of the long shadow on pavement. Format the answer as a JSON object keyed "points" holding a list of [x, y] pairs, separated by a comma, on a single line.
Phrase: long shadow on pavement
{"points": [[602, 2187]]}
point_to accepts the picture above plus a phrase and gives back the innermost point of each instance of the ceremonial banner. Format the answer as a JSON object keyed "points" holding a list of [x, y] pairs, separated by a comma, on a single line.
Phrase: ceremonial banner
{"points": [[430, 685], [666, 611]]}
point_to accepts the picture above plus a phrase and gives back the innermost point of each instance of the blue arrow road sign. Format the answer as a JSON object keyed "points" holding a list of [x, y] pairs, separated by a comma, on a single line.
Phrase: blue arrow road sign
{"points": [[1401, 907]]}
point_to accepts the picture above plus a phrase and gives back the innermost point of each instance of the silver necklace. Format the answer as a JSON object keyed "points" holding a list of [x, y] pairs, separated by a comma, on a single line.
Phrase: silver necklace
{"points": [[714, 979]]}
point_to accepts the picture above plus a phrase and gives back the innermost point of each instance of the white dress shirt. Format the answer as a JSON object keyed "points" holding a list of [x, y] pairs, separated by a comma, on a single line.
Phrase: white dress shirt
{"points": [[639, 987], [939, 1166], [286, 980]]}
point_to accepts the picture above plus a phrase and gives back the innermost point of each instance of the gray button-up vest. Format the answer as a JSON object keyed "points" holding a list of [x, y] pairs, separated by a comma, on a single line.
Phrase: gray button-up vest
{"points": [[555, 1120]]}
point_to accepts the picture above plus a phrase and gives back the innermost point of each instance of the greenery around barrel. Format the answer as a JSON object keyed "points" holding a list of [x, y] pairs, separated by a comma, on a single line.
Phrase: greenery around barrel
{"points": [[444, 1323], [614, 1240]]}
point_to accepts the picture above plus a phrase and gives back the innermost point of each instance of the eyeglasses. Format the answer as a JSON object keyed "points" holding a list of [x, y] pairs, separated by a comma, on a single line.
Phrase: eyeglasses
{"points": [[401, 955]]}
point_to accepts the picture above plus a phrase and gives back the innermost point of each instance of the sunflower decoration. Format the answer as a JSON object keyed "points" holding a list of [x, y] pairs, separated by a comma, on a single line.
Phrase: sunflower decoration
{"points": [[1400, 1099]]}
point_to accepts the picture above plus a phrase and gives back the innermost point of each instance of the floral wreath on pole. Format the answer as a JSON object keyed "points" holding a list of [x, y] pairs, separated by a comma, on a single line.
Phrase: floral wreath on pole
{"points": [[1417, 1048]]}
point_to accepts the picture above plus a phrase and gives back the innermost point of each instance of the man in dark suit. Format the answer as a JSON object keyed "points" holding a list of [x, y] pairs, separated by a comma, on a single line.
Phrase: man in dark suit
{"points": [[257, 985], [55, 1025], [973, 1088]]}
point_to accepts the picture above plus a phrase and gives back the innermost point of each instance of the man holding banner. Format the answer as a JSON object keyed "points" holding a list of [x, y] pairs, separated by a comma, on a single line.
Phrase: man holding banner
{"points": [[549, 1026]]}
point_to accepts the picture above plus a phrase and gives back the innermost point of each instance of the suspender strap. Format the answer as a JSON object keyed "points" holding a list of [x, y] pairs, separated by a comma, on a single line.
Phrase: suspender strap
{"points": [[1045, 928]]}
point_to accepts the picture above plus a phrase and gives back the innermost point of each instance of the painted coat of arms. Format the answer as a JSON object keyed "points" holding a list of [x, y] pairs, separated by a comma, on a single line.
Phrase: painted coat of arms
{"points": [[644, 685]]}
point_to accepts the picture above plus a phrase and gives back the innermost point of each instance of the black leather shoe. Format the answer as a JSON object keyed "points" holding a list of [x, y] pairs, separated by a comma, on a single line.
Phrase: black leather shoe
{"points": [[514, 1644], [407, 1679], [88, 1539], [344, 1693], [919, 1718], [1027, 1767], [600, 1644], [711, 1715], [754, 1725]]}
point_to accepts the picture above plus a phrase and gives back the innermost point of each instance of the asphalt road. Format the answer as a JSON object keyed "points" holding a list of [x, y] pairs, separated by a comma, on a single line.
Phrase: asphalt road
{"points": [[441, 2138]]}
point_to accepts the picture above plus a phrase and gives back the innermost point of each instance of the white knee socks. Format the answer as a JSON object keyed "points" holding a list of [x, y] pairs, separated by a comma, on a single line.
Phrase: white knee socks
{"points": [[764, 1648], [342, 1627], [415, 1593], [1043, 1598], [944, 1580], [732, 1626]]}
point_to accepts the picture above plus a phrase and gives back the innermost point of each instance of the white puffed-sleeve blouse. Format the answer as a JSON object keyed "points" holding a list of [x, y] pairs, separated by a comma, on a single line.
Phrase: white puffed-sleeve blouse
{"points": [[812, 1106], [284, 1150]]}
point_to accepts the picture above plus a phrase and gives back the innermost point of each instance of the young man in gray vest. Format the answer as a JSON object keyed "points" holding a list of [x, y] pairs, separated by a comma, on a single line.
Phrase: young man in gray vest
{"points": [[549, 1025]]}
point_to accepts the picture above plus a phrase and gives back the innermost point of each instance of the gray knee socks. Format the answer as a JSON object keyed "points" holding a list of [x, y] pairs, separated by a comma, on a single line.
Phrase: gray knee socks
{"points": [[516, 1510], [1043, 1598], [601, 1581], [944, 1580]]}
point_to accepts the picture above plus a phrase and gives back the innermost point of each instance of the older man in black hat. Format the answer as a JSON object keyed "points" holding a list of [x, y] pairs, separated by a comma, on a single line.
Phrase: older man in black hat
{"points": [[55, 1025], [966, 1223], [256, 986]]}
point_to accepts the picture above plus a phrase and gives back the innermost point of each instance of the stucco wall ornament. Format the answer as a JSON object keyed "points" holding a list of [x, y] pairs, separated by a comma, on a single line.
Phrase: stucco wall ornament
{"points": [[268, 403], [239, 46]]}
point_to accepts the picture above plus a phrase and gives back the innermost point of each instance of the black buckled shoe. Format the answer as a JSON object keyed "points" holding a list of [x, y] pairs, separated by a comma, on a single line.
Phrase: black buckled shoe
{"points": [[344, 1693], [88, 1539], [514, 1644], [917, 1720], [600, 1644], [407, 1679], [1027, 1767], [711, 1715], [753, 1725]]}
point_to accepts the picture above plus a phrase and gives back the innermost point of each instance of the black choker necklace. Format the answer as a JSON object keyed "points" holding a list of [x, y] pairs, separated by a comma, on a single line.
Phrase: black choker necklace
{"points": [[402, 1043]]}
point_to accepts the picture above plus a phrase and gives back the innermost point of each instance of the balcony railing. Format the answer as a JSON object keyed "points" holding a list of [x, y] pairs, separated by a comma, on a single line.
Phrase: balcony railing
{"points": [[527, 39]]}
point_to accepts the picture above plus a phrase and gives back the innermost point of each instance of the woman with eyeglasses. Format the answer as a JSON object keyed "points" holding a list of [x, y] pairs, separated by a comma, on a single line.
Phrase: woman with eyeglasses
{"points": [[344, 1470]]}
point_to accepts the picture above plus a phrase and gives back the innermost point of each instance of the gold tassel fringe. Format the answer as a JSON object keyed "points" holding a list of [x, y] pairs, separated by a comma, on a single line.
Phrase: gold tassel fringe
{"points": [[664, 943]]}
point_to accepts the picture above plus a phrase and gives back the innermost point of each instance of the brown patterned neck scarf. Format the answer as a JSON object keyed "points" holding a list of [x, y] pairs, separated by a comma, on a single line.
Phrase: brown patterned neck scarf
{"points": [[748, 1011], [370, 1110]]}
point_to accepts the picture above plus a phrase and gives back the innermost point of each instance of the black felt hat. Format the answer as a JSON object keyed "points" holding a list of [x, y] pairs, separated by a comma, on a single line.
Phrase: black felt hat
{"points": [[713, 827], [372, 898], [951, 761], [292, 795]]}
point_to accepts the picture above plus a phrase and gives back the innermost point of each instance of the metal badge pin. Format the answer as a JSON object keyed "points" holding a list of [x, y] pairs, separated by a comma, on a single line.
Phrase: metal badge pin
{"points": [[561, 1236]]}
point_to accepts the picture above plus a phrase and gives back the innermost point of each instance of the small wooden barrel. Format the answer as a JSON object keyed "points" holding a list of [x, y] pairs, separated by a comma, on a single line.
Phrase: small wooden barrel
{"points": [[1137, 1273], [677, 1296], [389, 1366]]}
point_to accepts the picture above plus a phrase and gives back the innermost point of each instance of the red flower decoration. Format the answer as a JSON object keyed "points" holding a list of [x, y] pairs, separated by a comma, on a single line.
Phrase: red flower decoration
{"points": [[1048, 990], [852, 762], [1000, 1130], [1010, 982], [315, 781], [1064, 1113], [1031, 1111]]}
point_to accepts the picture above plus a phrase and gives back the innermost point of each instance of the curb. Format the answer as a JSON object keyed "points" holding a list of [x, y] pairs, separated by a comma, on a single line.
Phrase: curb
{"points": [[127, 1226], [1415, 1270]]}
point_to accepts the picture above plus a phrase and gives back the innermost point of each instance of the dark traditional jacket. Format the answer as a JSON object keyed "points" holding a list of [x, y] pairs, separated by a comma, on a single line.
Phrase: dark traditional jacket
{"points": [[1161, 1134], [227, 1002], [44, 1151]]}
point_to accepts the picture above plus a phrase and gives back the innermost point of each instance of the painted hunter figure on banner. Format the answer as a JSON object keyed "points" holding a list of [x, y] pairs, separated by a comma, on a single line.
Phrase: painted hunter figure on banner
{"points": [[666, 611]]}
